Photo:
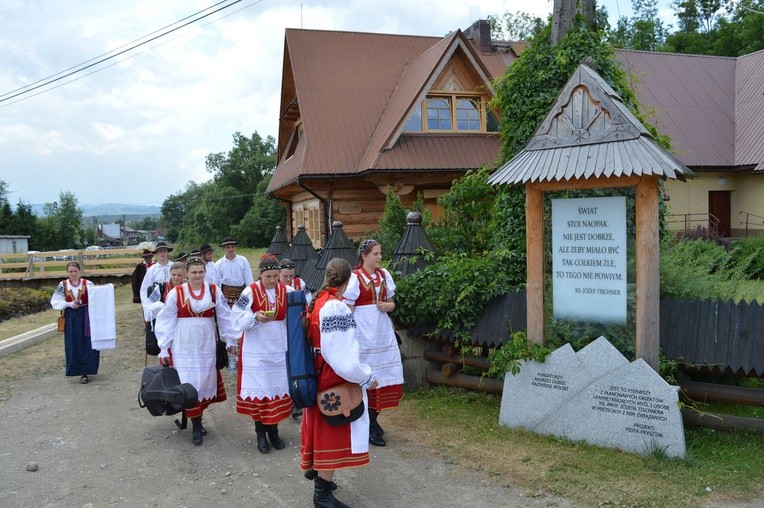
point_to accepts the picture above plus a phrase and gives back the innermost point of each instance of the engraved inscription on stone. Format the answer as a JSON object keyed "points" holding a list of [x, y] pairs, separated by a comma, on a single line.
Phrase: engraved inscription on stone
{"points": [[553, 381]]}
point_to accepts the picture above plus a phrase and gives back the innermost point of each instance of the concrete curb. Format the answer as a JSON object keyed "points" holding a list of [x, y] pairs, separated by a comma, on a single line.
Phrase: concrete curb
{"points": [[19, 342]]}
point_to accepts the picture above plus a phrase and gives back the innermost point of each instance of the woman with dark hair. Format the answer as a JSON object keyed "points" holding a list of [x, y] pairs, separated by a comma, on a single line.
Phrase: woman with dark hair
{"points": [[370, 294], [262, 385], [325, 448], [71, 297], [186, 334]]}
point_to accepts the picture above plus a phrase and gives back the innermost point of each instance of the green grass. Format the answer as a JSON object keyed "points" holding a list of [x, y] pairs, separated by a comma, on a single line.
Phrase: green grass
{"points": [[463, 426]]}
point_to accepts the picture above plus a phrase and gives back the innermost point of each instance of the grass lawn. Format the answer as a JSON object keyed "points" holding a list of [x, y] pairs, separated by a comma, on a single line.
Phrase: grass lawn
{"points": [[463, 426]]}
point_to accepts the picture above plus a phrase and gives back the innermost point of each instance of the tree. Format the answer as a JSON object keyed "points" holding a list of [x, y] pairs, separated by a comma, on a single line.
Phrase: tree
{"points": [[518, 26], [209, 211], [644, 31], [259, 224], [61, 226]]}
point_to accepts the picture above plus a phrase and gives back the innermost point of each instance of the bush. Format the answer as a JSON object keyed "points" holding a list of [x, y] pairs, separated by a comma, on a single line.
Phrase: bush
{"points": [[698, 269], [748, 255], [18, 302]]}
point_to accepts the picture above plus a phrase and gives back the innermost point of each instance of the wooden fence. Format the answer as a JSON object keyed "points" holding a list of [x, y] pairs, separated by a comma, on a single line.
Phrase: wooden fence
{"points": [[722, 336], [49, 265]]}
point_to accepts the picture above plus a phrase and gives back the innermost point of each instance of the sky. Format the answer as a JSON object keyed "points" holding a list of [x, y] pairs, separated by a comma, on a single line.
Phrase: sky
{"points": [[139, 129]]}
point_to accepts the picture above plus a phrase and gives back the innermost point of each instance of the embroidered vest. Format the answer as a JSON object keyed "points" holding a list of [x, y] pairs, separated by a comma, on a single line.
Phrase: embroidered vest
{"points": [[367, 285], [83, 294], [184, 305], [260, 300]]}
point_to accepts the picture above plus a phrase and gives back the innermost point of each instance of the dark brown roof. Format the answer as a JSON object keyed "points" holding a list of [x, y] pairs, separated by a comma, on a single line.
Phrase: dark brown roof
{"points": [[351, 112], [692, 99], [351, 91], [749, 125]]}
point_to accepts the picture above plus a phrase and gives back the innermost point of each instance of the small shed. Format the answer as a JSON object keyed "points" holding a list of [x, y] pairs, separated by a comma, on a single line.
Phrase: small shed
{"points": [[590, 140], [301, 251], [279, 244], [408, 256], [338, 246], [13, 244]]}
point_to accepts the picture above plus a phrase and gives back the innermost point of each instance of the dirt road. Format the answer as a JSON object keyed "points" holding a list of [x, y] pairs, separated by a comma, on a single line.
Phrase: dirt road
{"points": [[93, 446]]}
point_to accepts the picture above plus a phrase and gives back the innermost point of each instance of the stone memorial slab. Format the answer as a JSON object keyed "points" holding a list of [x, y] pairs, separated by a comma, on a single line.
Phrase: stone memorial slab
{"points": [[597, 396], [550, 384]]}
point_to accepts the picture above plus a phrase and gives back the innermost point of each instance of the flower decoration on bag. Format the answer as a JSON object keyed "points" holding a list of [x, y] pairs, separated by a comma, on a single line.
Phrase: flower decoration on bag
{"points": [[331, 402]]}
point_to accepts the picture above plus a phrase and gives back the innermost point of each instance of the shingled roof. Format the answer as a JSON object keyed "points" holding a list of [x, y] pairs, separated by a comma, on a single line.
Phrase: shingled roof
{"points": [[589, 133]]}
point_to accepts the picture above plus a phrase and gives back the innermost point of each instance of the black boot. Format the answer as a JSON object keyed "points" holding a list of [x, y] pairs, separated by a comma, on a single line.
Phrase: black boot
{"points": [[312, 474], [273, 435], [196, 438], [262, 441], [375, 437], [204, 431], [323, 497], [296, 412]]}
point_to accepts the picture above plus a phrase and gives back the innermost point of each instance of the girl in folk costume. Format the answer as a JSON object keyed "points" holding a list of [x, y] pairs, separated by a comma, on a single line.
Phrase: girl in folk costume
{"points": [[288, 277], [186, 325], [325, 448], [370, 293], [158, 295], [71, 297], [262, 385]]}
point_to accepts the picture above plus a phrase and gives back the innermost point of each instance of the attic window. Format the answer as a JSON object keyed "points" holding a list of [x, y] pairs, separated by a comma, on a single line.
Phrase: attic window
{"points": [[444, 112], [293, 140]]}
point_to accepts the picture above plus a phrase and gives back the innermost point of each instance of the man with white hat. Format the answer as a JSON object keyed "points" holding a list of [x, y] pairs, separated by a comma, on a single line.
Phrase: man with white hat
{"points": [[233, 272]]}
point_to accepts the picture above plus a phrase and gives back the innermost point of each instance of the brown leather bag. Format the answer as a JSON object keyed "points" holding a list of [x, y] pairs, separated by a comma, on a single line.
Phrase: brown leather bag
{"points": [[341, 404], [61, 322]]}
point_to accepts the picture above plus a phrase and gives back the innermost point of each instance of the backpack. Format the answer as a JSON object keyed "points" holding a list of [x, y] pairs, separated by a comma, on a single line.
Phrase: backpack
{"points": [[301, 371], [162, 393]]}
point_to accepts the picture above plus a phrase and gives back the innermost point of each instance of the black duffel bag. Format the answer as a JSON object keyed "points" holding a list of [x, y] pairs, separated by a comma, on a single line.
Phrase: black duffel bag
{"points": [[162, 393]]}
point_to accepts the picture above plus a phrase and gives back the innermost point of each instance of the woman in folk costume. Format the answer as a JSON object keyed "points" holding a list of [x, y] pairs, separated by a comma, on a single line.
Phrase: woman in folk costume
{"points": [[370, 294], [186, 325], [325, 448], [288, 277], [262, 385], [71, 297], [158, 295]]}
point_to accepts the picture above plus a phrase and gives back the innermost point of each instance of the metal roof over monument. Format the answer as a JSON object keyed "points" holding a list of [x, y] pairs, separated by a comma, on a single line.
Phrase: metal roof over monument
{"points": [[589, 133]]}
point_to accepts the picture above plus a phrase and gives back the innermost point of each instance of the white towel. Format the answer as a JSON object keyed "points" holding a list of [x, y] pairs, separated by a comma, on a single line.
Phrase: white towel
{"points": [[101, 312]]}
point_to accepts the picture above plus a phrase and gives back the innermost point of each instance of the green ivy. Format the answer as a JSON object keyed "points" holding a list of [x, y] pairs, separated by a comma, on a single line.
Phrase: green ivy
{"points": [[510, 356]]}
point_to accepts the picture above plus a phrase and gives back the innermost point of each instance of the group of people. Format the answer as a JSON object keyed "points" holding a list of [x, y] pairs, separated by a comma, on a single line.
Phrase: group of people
{"points": [[190, 305]]}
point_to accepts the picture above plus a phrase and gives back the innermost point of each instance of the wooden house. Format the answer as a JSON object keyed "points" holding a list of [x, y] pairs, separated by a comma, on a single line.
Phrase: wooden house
{"points": [[363, 112]]}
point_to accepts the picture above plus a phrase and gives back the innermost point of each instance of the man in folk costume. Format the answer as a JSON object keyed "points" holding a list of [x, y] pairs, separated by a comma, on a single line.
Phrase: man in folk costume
{"points": [[210, 272], [186, 330], [262, 385], [370, 294], [233, 271], [140, 270]]}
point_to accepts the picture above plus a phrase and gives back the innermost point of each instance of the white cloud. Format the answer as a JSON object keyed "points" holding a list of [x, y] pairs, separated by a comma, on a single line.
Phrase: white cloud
{"points": [[138, 130]]}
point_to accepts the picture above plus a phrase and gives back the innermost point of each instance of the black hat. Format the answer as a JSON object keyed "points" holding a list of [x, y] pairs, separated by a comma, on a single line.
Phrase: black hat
{"points": [[162, 245], [205, 248], [181, 256], [228, 240], [194, 253], [147, 253]]}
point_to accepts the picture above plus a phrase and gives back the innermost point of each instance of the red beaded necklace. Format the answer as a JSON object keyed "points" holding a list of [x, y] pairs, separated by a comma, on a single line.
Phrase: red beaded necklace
{"points": [[196, 297]]}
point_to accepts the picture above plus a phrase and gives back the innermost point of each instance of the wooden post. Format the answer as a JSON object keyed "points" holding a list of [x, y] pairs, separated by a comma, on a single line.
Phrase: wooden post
{"points": [[648, 272], [534, 237]]}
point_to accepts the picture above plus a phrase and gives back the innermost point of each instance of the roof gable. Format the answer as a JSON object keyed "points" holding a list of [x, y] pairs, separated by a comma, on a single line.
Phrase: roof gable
{"points": [[589, 133], [449, 65]]}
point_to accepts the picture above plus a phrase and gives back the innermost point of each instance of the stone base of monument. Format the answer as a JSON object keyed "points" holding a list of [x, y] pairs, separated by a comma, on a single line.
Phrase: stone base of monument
{"points": [[598, 396]]}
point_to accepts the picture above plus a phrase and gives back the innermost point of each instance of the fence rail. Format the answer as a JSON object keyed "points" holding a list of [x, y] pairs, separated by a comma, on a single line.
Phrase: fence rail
{"points": [[52, 264], [705, 333], [752, 222], [690, 221]]}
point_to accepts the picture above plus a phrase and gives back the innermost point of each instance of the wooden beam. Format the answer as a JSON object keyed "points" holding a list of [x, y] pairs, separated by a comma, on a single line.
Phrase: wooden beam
{"points": [[534, 237], [591, 183], [648, 272]]}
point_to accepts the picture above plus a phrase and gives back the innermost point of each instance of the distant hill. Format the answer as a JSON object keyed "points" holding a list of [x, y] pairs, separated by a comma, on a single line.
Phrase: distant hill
{"points": [[112, 210]]}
